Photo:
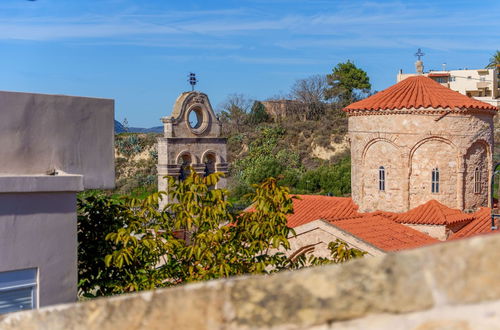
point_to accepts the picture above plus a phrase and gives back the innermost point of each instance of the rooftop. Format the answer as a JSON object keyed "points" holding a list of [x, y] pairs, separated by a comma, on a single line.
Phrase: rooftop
{"points": [[481, 224], [386, 230], [384, 233], [308, 208], [418, 92], [431, 213]]}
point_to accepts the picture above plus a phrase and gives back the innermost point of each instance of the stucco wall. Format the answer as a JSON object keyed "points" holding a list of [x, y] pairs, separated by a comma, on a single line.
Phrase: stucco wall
{"points": [[41, 133], [38, 230], [410, 146]]}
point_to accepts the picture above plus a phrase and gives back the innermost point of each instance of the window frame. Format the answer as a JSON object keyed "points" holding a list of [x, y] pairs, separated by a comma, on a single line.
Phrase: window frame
{"points": [[381, 178], [477, 181], [435, 181], [16, 282]]}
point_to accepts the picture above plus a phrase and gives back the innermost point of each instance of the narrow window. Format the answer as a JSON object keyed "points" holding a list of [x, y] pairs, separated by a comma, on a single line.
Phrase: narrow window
{"points": [[18, 290], [209, 164], [185, 167], [435, 180], [477, 181], [381, 178]]}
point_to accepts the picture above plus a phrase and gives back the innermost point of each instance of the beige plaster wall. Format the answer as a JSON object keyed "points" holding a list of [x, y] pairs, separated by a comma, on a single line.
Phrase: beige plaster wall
{"points": [[409, 146]]}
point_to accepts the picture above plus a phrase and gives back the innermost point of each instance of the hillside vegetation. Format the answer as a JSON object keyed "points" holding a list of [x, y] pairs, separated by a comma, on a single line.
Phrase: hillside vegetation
{"points": [[305, 147]]}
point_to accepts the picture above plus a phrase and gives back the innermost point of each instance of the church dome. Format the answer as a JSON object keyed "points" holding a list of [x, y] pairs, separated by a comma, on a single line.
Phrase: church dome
{"points": [[415, 93]]}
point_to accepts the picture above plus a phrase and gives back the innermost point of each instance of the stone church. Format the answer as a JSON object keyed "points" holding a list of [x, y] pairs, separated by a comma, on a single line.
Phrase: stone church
{"points": [[421, 168], [192, 138], [417, 141]]}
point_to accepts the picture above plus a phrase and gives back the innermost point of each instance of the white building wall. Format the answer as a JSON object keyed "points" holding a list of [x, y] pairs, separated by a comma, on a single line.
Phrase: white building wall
{"points": [[474, 83]]}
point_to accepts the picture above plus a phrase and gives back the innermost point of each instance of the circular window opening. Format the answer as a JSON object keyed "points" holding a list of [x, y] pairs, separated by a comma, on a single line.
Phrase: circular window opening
{"points": [[195, 118]]}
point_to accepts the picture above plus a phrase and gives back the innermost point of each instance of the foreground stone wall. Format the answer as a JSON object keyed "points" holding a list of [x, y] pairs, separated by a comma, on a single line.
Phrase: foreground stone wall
{"points": [[452, 284]]}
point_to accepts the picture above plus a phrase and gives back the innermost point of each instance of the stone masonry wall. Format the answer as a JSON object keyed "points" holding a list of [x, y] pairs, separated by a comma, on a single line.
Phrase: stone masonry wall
{"points": [[476, 158], [410, 146], [451, 285], [192, 137]]}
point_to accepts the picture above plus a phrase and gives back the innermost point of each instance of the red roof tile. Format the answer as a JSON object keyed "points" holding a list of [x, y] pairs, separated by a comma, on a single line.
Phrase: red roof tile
{"points": [[415, 93], [385, 230], [430, 213], [479, 226], [383, 233], [308, 208]]}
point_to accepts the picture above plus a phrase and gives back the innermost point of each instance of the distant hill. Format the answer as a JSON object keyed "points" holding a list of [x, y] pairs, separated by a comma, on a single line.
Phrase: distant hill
{"points": [[119, 128]]}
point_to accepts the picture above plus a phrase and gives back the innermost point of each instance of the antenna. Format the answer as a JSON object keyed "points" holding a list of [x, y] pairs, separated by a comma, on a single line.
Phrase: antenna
{"points": [[444, 66], [192, 80]]}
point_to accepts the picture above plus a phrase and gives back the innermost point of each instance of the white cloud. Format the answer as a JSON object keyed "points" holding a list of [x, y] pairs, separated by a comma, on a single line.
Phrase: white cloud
{"points": [[354, 24]]}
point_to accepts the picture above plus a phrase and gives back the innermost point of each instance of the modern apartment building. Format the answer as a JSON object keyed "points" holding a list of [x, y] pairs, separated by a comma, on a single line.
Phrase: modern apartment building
{"points": [[481, 84]]}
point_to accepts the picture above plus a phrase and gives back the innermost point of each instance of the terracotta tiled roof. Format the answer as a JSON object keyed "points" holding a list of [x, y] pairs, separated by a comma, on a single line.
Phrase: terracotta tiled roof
{"points": [[385, 230], [308, 208], [480, 225], [383, 233], [415, 93], [430, 213]]}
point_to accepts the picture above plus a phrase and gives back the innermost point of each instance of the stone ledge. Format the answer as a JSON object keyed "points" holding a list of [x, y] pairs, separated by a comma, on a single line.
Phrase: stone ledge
{"points": [[40, 183], [445, 275], [478, 316]]}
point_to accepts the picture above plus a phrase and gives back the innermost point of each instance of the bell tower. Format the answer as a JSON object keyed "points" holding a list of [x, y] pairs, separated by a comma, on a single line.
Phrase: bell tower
{"points": [[192, 137]]}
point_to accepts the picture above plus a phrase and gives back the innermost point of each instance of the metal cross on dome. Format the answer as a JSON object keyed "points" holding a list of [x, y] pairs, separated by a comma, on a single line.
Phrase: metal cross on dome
{"points": [[419, 54], [192, 80]]}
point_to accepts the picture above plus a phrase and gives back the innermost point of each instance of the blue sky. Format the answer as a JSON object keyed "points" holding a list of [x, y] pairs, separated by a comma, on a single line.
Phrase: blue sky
{"points": [[140, 52]]}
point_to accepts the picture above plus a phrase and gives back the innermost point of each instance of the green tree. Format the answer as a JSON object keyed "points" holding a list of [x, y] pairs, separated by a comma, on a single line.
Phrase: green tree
{"points": [[98, 215], [334, 179], [257, 114], [494, 60], [348, 83], [197, 237], [266, 158]]}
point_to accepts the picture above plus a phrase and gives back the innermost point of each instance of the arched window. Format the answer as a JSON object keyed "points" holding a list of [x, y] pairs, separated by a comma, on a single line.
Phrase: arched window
{"points": [[209, 164], [381, 178], [185, 170], [435, 180], [477, 181]]}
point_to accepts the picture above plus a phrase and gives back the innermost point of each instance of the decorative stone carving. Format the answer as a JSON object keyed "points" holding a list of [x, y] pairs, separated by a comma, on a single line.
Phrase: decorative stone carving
{"points": [[198, 145]]}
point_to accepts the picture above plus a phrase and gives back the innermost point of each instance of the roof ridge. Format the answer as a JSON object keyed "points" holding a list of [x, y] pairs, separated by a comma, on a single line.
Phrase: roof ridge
{"points": [[418, 92], [440, 210]]}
